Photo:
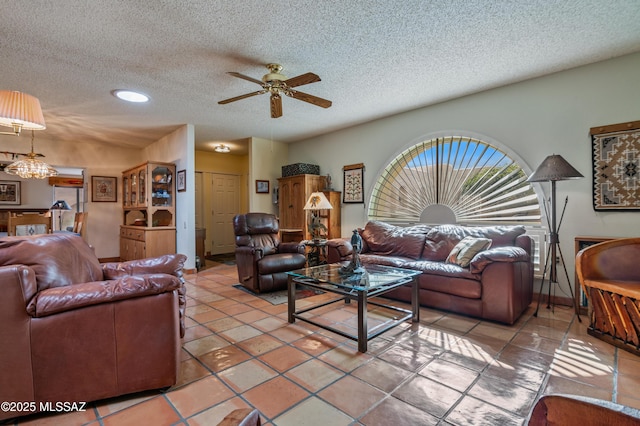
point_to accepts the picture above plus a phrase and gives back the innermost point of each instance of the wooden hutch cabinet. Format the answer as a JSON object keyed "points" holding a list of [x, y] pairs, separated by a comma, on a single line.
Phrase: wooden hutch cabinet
{"points": [[148, 202], [293, 193]]}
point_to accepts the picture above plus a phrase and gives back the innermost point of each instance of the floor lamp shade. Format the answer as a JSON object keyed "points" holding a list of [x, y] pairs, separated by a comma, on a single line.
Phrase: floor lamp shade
{"points": [[553, 168]]}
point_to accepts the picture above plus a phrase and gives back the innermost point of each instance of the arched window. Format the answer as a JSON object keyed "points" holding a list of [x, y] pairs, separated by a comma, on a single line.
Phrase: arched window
{"points": [[454, 180]]}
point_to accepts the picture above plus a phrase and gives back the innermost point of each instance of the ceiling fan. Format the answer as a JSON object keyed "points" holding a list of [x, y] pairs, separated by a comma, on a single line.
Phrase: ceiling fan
{"points": [[275, 83]]}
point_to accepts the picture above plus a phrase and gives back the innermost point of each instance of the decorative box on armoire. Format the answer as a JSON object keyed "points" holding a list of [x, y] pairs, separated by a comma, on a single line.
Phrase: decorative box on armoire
{"points": [[148, 202], [293, 193]]}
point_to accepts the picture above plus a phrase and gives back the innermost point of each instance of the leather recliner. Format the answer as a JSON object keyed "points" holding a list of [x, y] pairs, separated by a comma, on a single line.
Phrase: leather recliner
{"points": [[262, 259], [75, 330]]}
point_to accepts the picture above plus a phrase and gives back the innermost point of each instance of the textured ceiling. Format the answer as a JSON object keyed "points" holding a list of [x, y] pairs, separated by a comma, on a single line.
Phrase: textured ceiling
{"points": [[375, 58]]}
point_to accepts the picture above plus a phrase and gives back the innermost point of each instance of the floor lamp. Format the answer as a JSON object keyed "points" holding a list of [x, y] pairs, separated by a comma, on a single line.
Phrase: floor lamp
{"points": [[60, 205], [552, 169]]}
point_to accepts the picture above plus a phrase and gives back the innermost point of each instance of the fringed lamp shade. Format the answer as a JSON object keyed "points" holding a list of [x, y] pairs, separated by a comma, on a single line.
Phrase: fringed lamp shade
{"points": [[20, 111], [318, 201]]}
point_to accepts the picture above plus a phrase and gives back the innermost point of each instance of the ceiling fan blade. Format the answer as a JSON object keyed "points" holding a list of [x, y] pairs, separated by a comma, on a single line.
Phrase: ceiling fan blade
{"points": [[245, 77], [310, 98], [237, 98], [302, 79], [35, 154], [276, 106]]}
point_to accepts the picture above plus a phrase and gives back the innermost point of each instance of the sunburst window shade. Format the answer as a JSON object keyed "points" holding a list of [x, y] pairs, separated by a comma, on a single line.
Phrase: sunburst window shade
{"points": [[473, 181]]}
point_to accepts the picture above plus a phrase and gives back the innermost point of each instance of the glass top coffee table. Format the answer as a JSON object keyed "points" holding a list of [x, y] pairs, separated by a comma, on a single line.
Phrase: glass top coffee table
{"points": [[375, 281]]}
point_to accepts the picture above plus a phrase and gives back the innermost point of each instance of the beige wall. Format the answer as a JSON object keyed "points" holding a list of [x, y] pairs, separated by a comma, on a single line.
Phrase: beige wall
{"points": [[97, 160], [266, 158], [532, 119], [178, 148], [104, 220], [34, 193], [231, 164]]}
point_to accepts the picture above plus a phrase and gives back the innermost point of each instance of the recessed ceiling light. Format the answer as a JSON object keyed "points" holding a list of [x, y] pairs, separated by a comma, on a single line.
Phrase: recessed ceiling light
{"points": [[130, 96]]}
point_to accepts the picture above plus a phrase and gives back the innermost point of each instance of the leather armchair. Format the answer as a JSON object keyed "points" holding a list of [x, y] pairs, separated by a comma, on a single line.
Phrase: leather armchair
{"points": [[261, 257], [77, 331]]}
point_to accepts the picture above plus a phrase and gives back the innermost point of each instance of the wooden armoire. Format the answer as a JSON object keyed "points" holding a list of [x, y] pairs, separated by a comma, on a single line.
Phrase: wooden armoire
{"points": [[293, 193]]}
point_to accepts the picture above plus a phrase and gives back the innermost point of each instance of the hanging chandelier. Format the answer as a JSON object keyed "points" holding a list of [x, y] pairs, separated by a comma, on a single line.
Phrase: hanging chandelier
{"points": [[31, 167]]}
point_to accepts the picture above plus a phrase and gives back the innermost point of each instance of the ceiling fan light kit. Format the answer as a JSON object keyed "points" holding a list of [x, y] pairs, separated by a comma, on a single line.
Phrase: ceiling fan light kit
{"points": [[275, 83], [222, 148]]}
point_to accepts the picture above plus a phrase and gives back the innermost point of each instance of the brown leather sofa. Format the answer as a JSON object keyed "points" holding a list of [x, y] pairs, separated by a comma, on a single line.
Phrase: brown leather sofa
{"points": [[73, 330], [497, 285], [262, 259]]}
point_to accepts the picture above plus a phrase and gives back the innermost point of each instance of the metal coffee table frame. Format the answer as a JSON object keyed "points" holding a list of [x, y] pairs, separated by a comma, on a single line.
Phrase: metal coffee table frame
{"points": [[376, 281]]}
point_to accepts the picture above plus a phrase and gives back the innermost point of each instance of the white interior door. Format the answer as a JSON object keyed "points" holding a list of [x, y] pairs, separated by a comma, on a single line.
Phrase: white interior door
{"points": [[200, 197], [225, 204]]}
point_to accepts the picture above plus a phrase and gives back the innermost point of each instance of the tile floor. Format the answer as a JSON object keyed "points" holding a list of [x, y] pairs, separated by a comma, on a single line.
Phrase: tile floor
{"points": [[239, 351]]}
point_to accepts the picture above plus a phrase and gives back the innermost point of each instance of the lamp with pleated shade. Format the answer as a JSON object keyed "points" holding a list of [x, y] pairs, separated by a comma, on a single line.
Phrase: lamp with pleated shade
{"points": [[20, 111], [317, 201]]}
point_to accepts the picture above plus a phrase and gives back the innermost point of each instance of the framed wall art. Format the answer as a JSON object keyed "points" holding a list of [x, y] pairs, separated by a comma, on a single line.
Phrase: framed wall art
{"points": [[616, 166], [262, 186], [104, 189], [353, 188], [10, 192], [181, 180]]}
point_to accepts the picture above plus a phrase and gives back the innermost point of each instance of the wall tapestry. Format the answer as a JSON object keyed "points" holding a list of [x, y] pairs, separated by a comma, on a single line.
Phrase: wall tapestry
{"points": [[353, 189], [616, 166]]}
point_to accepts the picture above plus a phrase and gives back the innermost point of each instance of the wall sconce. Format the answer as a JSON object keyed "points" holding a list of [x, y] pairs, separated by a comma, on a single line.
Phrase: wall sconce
{"points": [[20, 112]]}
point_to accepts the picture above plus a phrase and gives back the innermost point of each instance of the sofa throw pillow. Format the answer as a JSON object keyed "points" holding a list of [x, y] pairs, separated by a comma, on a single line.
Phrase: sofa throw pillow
{"points": [[466, 249]]}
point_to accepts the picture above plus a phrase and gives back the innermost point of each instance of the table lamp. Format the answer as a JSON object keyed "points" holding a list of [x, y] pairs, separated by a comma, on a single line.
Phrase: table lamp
{"points": [[317, 201]]}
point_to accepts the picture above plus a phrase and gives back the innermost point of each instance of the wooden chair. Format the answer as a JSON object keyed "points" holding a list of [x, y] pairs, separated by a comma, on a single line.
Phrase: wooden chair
{"points": [[29, 224], [574, 410], [80, 224], [609, 275], [242, 417]]}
